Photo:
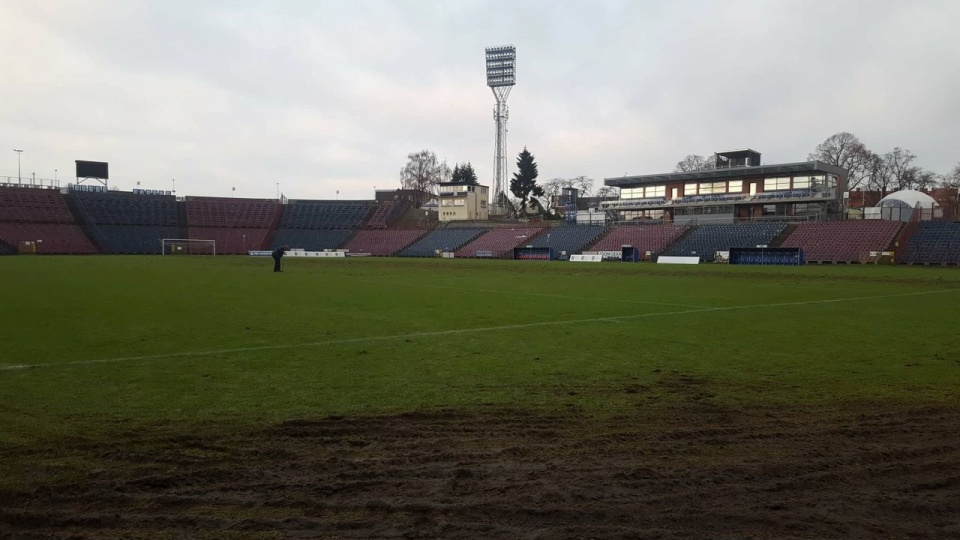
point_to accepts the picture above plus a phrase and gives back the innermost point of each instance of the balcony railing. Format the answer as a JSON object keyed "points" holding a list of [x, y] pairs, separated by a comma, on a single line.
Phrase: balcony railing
{"points": [[794, 194]]}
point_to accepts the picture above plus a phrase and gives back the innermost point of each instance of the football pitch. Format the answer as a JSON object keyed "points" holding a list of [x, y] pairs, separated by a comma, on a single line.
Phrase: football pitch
{"points": [[159, 397]]}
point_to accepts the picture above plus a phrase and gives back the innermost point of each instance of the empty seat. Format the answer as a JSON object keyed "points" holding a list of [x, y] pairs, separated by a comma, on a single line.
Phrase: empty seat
{"points": [[706, 240], [842, 241], [450, 239], [933, 242], [498, 243], [383, 243], [568, 240], [652, 238]]}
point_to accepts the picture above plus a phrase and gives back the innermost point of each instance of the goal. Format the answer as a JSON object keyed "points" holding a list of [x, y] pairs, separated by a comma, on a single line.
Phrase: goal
{"points": [[188, 246]]}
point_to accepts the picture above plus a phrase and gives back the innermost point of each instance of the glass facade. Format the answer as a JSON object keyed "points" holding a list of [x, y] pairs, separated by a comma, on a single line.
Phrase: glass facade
{"points": [[776, 184], [643, 192]]}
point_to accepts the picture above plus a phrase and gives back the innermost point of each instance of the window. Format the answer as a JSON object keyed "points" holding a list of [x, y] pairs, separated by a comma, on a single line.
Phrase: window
{"points": [[736, 186], [774, 184], [770, 209], [483, 203], [709, 188], [655, 191], [459, 202], [801, 182], [446, 202]]}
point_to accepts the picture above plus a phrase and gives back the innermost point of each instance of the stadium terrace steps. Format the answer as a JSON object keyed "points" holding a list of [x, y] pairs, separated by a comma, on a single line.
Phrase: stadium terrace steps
{"points": [[498, 243], [33, 205], [782, 237], [843, 241], [705, 240], [50, 238], [653, 238], [120, 208], [383, 243], [933, 242], [311, 240], [304, 214], [567, 240], [447, 239], [239, 213]]}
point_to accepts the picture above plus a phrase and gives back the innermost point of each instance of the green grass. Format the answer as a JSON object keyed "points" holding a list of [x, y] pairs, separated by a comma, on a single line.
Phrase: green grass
{"points": [[122, 343]]}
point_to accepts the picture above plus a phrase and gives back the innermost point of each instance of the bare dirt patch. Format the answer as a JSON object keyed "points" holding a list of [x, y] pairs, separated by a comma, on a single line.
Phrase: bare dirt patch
{"points": [[691, 470]]}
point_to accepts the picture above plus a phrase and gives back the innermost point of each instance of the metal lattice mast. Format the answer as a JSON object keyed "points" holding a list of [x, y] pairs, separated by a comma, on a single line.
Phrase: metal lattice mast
{"points": [[501, 76]]}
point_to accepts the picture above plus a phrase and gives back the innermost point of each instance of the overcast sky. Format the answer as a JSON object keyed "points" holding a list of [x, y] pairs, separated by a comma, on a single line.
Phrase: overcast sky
{"points": [[332, 95]]}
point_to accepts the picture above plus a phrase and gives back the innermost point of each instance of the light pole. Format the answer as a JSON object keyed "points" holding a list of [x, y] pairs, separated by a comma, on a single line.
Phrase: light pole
{"points": [[18, 163], [174, 182]]}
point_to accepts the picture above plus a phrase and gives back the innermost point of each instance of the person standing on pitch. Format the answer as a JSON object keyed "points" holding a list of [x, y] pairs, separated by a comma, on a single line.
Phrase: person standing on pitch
{"points": [[277, 255]]}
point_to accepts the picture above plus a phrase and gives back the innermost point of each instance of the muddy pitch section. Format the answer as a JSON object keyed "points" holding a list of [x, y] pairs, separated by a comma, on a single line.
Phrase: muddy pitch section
{"points": [[690, 471]]}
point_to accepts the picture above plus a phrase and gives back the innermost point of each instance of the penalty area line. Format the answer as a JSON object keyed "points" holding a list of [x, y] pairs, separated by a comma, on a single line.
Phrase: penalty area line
{"points": [[457, 331]]}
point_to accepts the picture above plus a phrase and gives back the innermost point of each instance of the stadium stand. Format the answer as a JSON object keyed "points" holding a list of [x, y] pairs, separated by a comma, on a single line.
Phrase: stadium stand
{"points": [[237, 225], [31, 205], [566, 241], [232, 241], [383, 243], [303, 214], [652, 238], [385, 214], [121, 208], [933, 242], [240, 213], [41, 219], [450, 239], [49, 238], [705, 240], [498, 243], [6, 249], [310, 240], [127, 223], [842, 241]]}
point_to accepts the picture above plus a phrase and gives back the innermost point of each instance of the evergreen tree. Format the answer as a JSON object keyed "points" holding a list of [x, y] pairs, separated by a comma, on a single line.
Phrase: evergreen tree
{"points": [[469, 175], [524, 183], [464, 174]]}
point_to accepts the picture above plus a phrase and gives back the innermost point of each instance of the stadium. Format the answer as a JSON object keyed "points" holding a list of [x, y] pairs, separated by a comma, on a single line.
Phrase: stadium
{"points": [[734, 348], [473, 378]]}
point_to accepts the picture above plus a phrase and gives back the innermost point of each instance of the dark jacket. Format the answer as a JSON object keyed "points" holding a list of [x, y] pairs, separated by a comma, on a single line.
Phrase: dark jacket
{"points": [[278, 253]]}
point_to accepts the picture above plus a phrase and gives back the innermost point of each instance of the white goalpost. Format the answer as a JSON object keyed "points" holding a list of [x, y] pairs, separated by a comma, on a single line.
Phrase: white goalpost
{"points": [[188, 246]]}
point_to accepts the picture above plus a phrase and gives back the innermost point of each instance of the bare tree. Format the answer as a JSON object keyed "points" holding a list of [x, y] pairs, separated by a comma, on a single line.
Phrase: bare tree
{"points": [[898, 162], [607, 192], [920, 178], [694, 162], [876, 173], [952, 178], [845, 150], [423, 172]]}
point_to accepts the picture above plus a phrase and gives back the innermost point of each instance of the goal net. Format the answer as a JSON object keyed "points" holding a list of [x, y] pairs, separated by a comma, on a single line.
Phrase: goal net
{"points": [[188, 246]]}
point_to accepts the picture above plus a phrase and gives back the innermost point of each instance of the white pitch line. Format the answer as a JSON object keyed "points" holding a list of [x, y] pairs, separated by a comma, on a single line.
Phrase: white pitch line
{"points": [[564, 296], [618, 318]]}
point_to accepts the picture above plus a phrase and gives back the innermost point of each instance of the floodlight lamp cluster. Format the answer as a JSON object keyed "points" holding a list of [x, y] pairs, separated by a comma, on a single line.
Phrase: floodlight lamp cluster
{"points": [[501, 66]]}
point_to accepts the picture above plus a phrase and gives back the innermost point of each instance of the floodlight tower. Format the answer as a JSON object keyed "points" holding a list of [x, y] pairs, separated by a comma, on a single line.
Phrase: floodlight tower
{"points": [[501, 76]]}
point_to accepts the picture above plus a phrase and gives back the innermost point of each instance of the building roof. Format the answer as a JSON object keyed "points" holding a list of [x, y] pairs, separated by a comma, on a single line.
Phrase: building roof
{"points": [[908, 198], [733, 172]]}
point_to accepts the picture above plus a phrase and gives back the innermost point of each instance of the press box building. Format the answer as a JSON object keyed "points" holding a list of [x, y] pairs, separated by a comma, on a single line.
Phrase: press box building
{"points": [[739, 188]]}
